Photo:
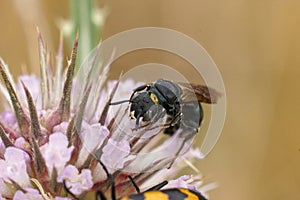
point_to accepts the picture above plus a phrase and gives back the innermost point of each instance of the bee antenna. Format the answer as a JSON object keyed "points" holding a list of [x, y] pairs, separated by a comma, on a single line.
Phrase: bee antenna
{"points": [[118, 102], [158, 186], [134, 184]]}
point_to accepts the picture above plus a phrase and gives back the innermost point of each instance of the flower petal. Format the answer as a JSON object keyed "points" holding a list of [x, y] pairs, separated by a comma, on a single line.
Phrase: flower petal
{"points": [[31, 194], [77, 183], [14, 166], [56, 152], [116, 154]]}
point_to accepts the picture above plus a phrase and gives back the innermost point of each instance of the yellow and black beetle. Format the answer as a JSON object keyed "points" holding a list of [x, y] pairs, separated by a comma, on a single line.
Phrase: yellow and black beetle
{"points": [[168, 194], [153, 193]]}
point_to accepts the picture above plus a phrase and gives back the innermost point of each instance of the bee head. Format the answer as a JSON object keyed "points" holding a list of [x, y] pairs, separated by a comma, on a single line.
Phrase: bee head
{"points": [[143, 106]]}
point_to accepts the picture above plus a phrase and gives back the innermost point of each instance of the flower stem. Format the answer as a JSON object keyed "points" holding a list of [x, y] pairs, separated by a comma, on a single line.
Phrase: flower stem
{"points": [[82, 17]]}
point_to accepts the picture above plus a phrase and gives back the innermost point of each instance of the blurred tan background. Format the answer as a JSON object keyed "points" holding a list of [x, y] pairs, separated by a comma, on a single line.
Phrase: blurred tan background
{"points": [[256, 46]]}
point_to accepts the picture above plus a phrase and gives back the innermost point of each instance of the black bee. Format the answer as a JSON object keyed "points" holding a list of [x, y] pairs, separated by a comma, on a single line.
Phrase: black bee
{"points": [[179, 101]]}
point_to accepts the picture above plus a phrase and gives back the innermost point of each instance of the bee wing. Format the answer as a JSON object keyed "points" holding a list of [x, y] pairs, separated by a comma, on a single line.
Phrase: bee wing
{"points": [[201, 93]]}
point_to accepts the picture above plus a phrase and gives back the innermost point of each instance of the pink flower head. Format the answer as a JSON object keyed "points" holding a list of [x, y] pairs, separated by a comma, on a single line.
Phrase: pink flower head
{"points": [[57, 128]]}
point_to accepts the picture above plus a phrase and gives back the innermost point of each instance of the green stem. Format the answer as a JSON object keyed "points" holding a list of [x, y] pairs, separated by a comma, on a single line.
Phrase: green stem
{"points": [[82, 11]]}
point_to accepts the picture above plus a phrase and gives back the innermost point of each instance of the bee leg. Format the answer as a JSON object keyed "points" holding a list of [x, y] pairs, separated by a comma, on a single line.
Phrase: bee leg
{"points": [[171, 129], [188, 137], [100, 194], [173, 125], [177, 153]]}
